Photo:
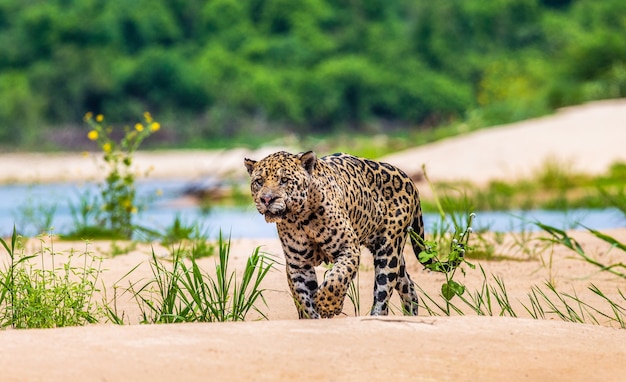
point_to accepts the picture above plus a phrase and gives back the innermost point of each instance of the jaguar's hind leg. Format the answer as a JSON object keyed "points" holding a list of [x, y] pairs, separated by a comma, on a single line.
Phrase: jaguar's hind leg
{"points": [[386, 252], [406, 289]]}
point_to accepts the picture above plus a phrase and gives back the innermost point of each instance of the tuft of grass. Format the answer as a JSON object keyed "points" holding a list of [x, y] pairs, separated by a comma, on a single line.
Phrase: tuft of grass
{"points": [[488, 300], [87, 218], [492, 299], [191, 238], [562, 305], [182, 292], [36, 297], [354, 295], [36, 214], [559, 236]]}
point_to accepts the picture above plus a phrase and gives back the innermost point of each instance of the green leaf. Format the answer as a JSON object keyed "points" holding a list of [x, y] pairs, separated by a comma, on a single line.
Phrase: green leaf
{"points": [[609, 239], [447, 292], [471, 265], [425, 256], [452, 288]]}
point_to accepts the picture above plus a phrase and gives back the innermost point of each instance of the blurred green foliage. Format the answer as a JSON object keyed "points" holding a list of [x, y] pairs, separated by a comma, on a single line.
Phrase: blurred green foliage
{"points": [[555, 186], [226, 68]]}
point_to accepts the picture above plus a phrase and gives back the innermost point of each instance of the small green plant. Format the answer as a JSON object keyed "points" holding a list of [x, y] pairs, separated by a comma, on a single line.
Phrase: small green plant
{"points": [[121, 248], [192, 238], [86, 216], [7, 279], [185, 293], [446, 251], [447, 256], [118, 194], [571, 308], [178, 231], [35, 297], [482, 301], [38, 214]]}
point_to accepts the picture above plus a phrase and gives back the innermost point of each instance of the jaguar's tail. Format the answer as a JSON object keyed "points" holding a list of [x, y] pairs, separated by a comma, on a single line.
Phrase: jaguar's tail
{"points": [[417, 236]]}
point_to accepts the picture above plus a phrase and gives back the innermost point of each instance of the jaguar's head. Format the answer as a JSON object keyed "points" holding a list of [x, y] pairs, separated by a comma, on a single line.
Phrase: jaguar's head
{"points": [[279, 183]]}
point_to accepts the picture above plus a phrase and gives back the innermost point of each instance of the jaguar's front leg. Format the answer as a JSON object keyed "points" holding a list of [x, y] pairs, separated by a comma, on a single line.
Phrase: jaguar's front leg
{"points": [[303, 283], [331, 294]]}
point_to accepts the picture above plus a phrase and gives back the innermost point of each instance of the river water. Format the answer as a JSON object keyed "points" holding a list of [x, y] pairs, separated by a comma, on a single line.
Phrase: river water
{"points": [[26, 206]]}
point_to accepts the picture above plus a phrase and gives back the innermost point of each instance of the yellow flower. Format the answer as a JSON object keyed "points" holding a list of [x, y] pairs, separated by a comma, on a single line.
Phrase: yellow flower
{"points": [[93, 135], [88, 115], [147, 116], [128, 206], [106, 147], [155, 126], [99, 118], [139, 127]]}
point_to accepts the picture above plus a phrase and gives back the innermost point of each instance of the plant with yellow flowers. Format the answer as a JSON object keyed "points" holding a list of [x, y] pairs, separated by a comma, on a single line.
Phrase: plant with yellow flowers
{"points": [[118, 192]]}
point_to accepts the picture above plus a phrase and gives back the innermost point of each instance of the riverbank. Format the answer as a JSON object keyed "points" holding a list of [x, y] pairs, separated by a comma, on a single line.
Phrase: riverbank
{"points": [[589, 138]]}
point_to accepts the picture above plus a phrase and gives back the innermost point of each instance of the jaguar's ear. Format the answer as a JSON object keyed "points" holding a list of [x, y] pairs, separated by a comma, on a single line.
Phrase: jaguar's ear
{"points": [[308, 160], [249, 165]]}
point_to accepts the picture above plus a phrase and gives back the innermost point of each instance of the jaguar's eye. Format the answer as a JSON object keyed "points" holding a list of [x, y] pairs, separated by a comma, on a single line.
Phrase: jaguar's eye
{"points": [[284, 180], [257, 183]]}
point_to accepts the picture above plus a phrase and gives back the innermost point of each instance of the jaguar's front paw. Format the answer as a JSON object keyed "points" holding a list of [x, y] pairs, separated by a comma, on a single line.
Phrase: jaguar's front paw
{"points": [[328, 303]]}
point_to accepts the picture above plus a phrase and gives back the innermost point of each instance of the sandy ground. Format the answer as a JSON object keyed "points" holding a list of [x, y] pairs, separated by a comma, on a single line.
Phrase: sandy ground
{"points": [[587, 138], [347, 347]]}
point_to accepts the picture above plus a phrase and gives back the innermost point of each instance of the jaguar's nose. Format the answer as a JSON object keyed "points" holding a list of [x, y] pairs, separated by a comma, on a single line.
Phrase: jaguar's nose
{"points": [[267, 199]]}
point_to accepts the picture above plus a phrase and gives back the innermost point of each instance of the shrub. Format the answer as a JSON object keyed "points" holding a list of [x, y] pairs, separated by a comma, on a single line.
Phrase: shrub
{"points": [[118, 194]]}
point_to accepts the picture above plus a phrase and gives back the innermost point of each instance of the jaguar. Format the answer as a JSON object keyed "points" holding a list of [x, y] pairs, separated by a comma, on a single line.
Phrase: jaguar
{"points": [[325, 209]]}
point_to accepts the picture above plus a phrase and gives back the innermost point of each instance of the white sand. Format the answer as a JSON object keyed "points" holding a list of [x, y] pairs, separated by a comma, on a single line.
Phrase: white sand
{"points": [[589, 138]]}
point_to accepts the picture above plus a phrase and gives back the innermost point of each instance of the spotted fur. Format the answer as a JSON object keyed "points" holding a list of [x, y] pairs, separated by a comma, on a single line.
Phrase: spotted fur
{"points": [[324, 210]]}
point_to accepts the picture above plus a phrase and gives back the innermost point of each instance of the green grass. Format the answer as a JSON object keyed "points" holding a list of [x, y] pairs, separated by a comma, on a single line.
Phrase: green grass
{"points": [[36, 297], [555, 186], [448, 247], [191, 239], [180, 291], [36, 214], [558, 236], [542, 302]]}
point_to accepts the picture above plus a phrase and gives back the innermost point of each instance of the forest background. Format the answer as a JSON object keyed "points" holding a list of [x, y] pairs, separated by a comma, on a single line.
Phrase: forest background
{"points": [[245, 71]]}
